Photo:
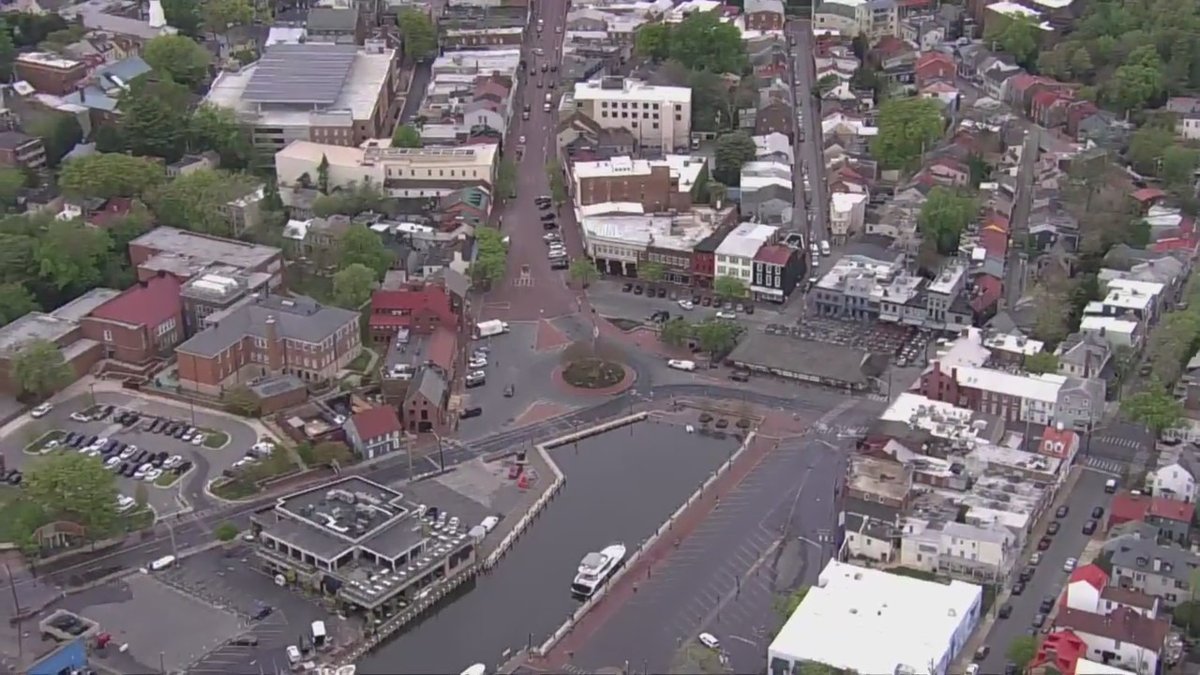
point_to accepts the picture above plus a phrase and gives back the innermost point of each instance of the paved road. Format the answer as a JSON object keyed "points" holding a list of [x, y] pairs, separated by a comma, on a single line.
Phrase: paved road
{"points": [[809, 152], [530, 288], [607, 298], [1049, 578], [1014, 273], [712, 568]]}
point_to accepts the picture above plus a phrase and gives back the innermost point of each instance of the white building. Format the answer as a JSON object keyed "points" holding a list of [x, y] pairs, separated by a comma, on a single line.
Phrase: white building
{"points": [[1016, 397], [617, 242], [658, 117], [735, 255], [847, 213], [1123, 636], [1175, 478], [872, 18], [1116, 332], [1129, 298], [400, 172], [908, 625], [984, 553]]}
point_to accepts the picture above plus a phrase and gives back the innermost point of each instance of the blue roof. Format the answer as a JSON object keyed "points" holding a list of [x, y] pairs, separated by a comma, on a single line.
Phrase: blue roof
{"points": [[123, 72], [92, 97]]}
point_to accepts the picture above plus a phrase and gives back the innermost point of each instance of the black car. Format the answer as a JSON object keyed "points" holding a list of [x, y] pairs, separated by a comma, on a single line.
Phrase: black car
{"points": [[468, 413], [245, 641], [92, 440], [1062, 511], [1098, 512], [1018, 588], [184, 467], [560, 263], [637, 290], [120, 418], [1089, 527], [105, 412], [15, 478], [1039, 620], [263, 612], [69, 438], [1047, 604], [548, 216], [1026, 574], [180, 431], [132, 419], [1052, 528], [553, 68], [1005, 611], [549, 225], [749, 309], [740, 376], [140, 457], [108, 447]]}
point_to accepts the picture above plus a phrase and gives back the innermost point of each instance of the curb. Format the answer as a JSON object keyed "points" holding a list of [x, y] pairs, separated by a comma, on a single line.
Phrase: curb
{"points": [[621, 387]]}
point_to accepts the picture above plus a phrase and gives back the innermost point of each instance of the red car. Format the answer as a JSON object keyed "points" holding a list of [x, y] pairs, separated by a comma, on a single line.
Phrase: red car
{"points": [[1044, 543]]}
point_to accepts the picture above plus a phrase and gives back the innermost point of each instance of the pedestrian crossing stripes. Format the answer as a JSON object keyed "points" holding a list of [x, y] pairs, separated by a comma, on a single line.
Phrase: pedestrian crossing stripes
{"points": [[1119, 441], [572, 669], [839, 429], [1106, 465], [523, 281]]}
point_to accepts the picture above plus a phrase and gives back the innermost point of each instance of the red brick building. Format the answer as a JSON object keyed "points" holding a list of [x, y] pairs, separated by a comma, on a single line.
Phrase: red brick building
{"points": [[142, 323], [933, 66], [50, 74], [420, 308], [764, 15]]}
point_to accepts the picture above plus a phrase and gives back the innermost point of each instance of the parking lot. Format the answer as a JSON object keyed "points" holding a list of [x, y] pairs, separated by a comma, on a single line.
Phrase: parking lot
{"points": [[904, 343], [270, 617], [622, 299], [142, 441]]}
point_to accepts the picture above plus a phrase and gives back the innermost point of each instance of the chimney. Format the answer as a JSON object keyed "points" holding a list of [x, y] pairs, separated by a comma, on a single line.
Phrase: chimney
{"points": [[274, 348]]}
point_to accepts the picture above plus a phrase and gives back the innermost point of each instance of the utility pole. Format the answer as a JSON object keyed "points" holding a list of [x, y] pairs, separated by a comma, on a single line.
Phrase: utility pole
{"points": [[12, 586], [171, 532]]}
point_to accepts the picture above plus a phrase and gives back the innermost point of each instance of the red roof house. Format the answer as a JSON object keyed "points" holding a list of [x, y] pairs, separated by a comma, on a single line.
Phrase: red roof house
{"points": [[1172, 518], [988, 290], [1060, 651], [418, 308], [375, 431], [1146, 197], [1059, 443], [112, 211], [934, 66], [143, 322]]}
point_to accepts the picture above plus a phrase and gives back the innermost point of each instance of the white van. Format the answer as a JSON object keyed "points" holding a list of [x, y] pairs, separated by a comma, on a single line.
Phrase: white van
{"points": [[318, 634], [293, 654], [1110, 485], [549, 98], [825, 250], [162, 563], [680, 364], [477, 669]]}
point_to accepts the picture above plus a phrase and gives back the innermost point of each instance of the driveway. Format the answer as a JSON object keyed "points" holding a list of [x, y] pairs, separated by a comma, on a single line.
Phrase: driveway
{"points": [[1049, 577], [189, 490]]}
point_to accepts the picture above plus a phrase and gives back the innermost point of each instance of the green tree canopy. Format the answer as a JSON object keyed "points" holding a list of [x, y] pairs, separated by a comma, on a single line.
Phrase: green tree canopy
{"points": [[155, 118], [107, 175], [675, 332], [491, 256], [218, 16], [418, 32], [406, 136], [349, 201], [226, 531], [558, 187], [8, 50], [15, 302], [60, 134], [652, 272], [703, 42], [352, 286], [1021, 651], [1138, 81], [1147, 147], [217, 129], [12, 181], [582, 272], [178, 56], [1017, 35], [72, 255], [1153, 407], [184, 15], [653, 41], [907, 127], [362, 246], [506, 178], [40, 370], [194, 200], [1178, 172], [74, 487], [729, 288], [943, 217], [733, 150], [1041, 362], [716, 337]]}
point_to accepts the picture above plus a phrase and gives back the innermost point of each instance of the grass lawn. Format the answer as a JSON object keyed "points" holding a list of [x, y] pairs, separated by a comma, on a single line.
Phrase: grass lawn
{"points": [[215, 439], [137, 519], [246, 483], [168, 479], [696, 659], [38, 447], [360, 362]]}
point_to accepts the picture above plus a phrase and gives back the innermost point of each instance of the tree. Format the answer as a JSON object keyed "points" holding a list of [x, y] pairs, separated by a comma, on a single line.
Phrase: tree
{"points": [[558, 187], [716, 337], [15, 302], [184, 15], [716, 193], [712, 102], [675, 332], [418, 33], [330, 452], [74, 487], [60, 134], [1138, 81], [653, 41], [1041, 362], [1018, 35], [1178, 170], [406, 136], [703, 42], [323, 175], [583, 272], [651, 272], [1021, 651], [943, 217], [155, 118], [217, 129], [72, 255], [362, 246], [105, 176], [352, 286], [179, 57], [194, 201], [491, 257], [1153, 407], [907, 127], [506, 178], [8, 50], [729, 288], [733, 150], [240, 400], [1050, 322], [1147, 147], [218, 16], [226, 531], [12, 181], [350, 201]]}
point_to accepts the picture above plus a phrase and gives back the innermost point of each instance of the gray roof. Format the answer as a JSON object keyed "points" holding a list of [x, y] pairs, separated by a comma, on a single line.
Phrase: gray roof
{"points": [[297, 318], [752, 6], [1084, 348], [821, 360], [301, 73], [1132, 553], [332, 19], [206, 249], [312, 539], [430, 384]]}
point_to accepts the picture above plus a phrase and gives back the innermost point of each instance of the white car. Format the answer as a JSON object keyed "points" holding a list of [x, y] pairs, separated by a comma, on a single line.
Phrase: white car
{"points": [[129, 452], [172, 462], [709, 640], [476, 364], [142, 471], [197, 439], [41, 410], [187, 435], [245, 461], [80, 417], [125, 502], [521, 140], [1069, 564], [112, 463], [553, 236], [687, 304], [152, 475], [726, 315]]}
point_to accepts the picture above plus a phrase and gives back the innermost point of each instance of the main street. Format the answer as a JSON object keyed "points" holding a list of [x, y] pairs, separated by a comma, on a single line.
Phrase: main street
{"points": [[809, 161], [1014, 282]]}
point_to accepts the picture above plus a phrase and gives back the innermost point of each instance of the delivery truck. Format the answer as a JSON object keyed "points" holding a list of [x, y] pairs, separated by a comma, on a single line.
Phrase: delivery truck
{"points": [[485, 329]]}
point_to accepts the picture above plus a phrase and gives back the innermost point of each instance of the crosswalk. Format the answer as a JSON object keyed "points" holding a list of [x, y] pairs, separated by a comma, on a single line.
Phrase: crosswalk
{"points": [[1118, 441], [839, 429], [523, 281], [1105, 465]]}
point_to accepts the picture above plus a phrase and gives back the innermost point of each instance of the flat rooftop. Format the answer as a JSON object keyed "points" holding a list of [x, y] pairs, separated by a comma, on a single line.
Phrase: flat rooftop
{"points": [[207, 249], [33, 326], [911, 622]]}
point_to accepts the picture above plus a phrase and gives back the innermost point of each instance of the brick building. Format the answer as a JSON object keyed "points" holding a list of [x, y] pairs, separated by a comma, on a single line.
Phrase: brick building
{"points": [[144, 322], [21, 150], [657, 185], [187, 254], [50, 74], [420, 308]]}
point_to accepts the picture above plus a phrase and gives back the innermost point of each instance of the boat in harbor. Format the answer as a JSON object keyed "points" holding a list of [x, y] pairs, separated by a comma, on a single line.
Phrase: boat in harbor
{"points": [[596, 568]]}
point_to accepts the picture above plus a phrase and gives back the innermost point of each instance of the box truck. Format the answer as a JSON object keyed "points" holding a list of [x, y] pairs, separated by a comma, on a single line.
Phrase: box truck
{"points": [[485, 329]]}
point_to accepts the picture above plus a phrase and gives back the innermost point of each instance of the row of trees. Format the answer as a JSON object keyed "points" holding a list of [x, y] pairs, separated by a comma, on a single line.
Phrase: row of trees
{"points": [[715, 336], [65, 487], [491, 256]]}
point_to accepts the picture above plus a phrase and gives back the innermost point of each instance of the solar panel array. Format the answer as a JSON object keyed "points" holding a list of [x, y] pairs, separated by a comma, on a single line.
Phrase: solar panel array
{"points": [[310, 74]]}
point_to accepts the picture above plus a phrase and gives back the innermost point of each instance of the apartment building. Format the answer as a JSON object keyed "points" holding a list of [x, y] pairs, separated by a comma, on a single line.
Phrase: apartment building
{"points": [[873, 19], [876, 500], [984, 552], [333, 94], [660, 118], [847, 215], [271, 335], [1141, 564], [21, 151], [735, 255], [851, 289], [188, 254], [764, 15], [618, 244], [777, 269], [481, 38], [49, 73], [658, 186], [401, 172], [940, 303]]}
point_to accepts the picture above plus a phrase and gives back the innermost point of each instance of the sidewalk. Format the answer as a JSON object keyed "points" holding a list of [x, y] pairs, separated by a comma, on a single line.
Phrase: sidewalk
{"points": [[657, 554]]}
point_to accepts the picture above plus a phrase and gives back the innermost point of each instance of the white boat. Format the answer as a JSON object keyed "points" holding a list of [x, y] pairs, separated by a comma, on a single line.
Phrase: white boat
{"points": [[596, 568]]}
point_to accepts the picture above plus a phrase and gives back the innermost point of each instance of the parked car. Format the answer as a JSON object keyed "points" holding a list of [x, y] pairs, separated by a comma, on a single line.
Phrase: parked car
{"points": [[1062, 511], [1098, 512], [1005, 611], [468, 413], [41, 411], [1089, 527], [1044, 543], [1052, 528]]}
